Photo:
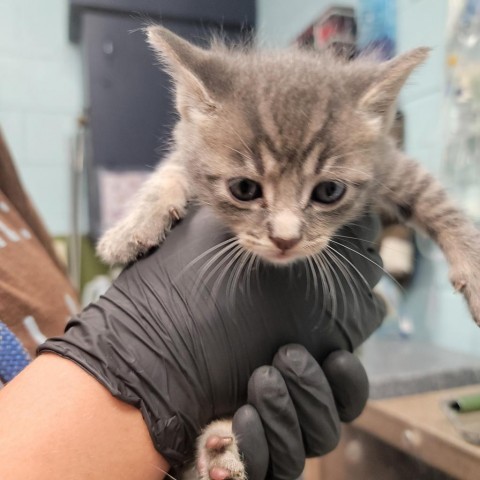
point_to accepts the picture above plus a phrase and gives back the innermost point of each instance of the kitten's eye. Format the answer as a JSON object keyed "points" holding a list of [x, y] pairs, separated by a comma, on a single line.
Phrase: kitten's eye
{"points": [[328, 192], [244, 189]]}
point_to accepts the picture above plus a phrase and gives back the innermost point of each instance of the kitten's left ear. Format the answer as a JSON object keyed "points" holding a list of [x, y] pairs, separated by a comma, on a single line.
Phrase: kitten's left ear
{"points": [[379, 98], [200, 75]]}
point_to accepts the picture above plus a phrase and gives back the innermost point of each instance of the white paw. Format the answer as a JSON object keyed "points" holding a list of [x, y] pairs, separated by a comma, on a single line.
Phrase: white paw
{"points": [[218, 457], [133, 237]]}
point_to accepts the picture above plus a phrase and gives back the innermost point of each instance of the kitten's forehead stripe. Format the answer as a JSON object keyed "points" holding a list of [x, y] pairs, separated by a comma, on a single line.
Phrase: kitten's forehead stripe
{"points": [[241, 158], [212, 178], [257, 158], [322, 159], [311, 160]]}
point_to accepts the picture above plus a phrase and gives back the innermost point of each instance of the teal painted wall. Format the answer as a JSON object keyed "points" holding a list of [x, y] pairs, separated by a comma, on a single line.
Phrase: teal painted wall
{"points": [[40, 99], [439, 314]]}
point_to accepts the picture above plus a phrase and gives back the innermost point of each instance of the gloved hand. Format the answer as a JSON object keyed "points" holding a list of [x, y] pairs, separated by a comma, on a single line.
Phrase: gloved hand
{"points": [[294, 410], [181, 331]]}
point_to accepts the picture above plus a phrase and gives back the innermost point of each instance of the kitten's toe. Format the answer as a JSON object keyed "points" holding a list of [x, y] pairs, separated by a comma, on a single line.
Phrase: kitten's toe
{"points": [[218, 455], [118, 247], [174, 214], [468, 283]]}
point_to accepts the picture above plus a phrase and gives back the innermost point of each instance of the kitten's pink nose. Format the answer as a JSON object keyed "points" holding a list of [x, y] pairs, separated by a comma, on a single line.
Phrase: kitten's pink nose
{"points": [[284, 243]]}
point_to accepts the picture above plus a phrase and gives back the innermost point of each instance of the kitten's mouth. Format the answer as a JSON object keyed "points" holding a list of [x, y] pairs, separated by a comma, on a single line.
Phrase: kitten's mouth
{"points": [[278, 256], [283, 257]]}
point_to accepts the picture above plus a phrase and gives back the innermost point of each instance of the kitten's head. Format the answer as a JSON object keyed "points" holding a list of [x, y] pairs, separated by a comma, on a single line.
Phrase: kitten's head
{"points": [[284, 145]]}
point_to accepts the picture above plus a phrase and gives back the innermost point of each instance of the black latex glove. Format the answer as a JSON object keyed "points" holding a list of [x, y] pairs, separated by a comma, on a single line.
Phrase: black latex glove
{"points": [[181, 331], [295, 408]]}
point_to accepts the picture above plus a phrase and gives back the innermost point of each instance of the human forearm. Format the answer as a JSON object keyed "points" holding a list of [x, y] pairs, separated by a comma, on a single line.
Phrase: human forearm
{"points": [[57, 422]]}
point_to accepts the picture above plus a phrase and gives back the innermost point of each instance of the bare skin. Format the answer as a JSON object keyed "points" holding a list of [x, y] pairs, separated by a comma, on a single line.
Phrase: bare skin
{"points": [[59, 423]]}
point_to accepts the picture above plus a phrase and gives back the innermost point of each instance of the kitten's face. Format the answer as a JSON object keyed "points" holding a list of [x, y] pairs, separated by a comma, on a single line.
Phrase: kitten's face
{"points": [[285, 194], [284, 145]]}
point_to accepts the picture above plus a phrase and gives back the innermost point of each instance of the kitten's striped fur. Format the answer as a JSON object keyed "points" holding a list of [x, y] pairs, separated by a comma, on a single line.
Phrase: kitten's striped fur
{"points": [[290, 120]]}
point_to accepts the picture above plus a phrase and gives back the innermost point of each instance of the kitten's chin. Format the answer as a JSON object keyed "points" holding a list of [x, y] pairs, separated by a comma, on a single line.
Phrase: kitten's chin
{"points": [[282, 258], [271, 255], [278, 258]]}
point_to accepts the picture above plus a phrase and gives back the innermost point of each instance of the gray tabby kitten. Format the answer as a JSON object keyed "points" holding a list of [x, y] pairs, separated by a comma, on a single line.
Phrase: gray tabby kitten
{"points": [[287, 147]]}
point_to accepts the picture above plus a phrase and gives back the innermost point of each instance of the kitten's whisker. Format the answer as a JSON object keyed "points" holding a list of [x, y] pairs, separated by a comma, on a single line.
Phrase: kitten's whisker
{"points": [[199, 257], [374, 178], [226, 269], [315, 283], [326, 298], [369, 289], [362, 277], [369, 241], [163, 471], [230, 258], [258, 264], [234, 276], [328, 260], [226, 252], [331, 283], [356, 283], [242, 140], [354, 238], [308, 271], [333, 158], [346, 274], [326, 288], [249, 278], [250, 159], [371, 261], [241, 276]]}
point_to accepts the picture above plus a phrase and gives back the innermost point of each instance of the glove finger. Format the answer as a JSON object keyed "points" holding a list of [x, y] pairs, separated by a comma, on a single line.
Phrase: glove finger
{"points": [[268, 393], [252, 443], [312, 398], [349, 383]]}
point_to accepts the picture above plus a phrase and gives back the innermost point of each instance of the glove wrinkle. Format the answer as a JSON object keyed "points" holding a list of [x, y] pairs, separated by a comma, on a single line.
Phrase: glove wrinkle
{"points": [[182, 346]]}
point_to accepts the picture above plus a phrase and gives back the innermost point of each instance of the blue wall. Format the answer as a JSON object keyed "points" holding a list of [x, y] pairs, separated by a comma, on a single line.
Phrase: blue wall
{"points": [[40, 99]]}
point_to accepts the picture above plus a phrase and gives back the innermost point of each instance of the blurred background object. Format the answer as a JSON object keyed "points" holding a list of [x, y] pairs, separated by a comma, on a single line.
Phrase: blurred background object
{"points": [[462, 113]]}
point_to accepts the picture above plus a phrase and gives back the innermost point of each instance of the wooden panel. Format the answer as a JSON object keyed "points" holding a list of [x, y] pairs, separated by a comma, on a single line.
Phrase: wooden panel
{"points": [[418, 426]]}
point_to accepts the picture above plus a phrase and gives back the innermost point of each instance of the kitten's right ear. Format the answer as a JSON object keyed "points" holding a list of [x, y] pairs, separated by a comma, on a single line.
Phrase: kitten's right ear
{"points": [[379, 98], [199, 75]]}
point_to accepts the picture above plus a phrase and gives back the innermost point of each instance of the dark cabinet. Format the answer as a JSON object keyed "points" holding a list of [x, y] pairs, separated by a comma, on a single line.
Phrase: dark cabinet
{"points": [[127, 96]]}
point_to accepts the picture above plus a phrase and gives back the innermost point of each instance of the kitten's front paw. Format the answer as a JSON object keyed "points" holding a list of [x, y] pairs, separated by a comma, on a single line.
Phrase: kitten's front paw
{"points": [[218, 457], [117, 248], [131, 238], [467, 282]]}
